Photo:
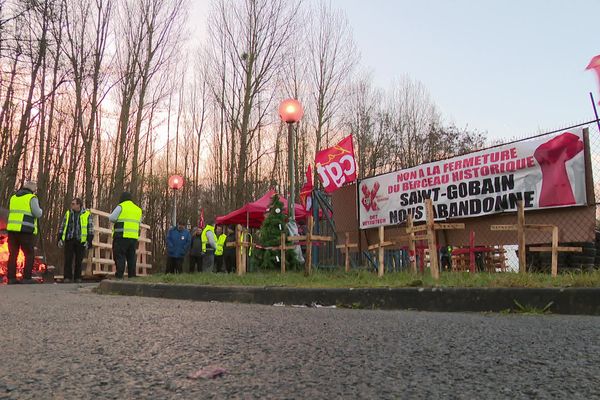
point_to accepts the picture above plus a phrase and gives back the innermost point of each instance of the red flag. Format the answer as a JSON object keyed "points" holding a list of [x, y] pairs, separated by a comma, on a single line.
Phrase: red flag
{"points": [[595, 66], [336, 165], [306, 191], [201, 221]]}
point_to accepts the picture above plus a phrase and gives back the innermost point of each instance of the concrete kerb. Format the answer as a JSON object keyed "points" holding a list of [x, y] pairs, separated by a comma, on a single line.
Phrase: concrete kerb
{"points": [[584, 301]]}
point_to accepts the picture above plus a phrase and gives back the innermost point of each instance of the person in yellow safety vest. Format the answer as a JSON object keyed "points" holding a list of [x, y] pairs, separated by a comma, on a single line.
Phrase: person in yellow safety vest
{"points": [[209, 245], [221, 239], [126, 217], [22, 227], [75, 234]]}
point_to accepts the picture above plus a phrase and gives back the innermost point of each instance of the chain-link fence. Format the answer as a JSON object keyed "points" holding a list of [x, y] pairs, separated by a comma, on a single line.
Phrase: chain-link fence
{"points": [[577, 225], [497, 250]]}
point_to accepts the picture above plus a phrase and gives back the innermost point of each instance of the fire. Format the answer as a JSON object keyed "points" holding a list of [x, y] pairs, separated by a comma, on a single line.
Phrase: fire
{"points": [[4, 253], [38, 266]]}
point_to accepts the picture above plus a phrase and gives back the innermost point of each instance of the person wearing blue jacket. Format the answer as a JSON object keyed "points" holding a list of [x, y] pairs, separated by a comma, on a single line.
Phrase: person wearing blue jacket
{"points": [[178, 244]]}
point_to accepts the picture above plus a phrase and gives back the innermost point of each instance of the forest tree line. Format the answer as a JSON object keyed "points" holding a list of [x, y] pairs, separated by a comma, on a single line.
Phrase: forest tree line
{"points": [[102, 96]]}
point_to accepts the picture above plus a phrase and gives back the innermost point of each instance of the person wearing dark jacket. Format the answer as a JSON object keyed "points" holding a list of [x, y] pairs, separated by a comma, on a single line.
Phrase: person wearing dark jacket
{"points": [[196, 251], [22, 227], [229, 252], [75, 234], [178, 243], [127, 218]]}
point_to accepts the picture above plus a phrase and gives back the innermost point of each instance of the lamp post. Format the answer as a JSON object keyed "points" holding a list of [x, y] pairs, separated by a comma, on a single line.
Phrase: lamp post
{"points": [[175, 183], [290, 112]]}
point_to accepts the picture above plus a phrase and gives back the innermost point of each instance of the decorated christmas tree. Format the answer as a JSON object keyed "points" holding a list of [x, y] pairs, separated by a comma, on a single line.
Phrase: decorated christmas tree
{"points": [[270, 236]]}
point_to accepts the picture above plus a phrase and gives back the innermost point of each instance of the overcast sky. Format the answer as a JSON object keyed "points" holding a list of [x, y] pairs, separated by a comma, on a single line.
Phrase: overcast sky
{"points": [[509, 67]]}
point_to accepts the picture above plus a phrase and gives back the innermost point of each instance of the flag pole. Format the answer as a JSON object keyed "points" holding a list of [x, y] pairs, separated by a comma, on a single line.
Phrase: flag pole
{"points": [[358, 222], [595, 110]]}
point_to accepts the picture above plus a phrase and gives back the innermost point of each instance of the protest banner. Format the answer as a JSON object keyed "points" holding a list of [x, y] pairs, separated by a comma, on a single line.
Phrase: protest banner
{"points": [[546, 171]]}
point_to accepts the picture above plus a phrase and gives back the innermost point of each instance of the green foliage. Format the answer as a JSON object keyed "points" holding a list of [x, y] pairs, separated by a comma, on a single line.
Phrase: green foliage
{"points": [[270, 236], [363, 278], [527, 309]]}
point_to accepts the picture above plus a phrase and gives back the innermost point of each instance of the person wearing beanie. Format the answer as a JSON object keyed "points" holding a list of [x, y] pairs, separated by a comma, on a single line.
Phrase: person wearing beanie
{"points": [[22, 226], [127, 218]]}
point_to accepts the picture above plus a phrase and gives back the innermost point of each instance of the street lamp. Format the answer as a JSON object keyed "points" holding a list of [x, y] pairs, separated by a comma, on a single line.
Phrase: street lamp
{"points": [[175, 183], [290, 112]]}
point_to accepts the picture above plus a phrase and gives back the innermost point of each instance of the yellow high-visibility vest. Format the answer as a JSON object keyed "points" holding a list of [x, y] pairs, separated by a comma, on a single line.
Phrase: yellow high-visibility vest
{"points": [[83, 223], [204, 237], [129, 220], [220, 244], [20, 217]]}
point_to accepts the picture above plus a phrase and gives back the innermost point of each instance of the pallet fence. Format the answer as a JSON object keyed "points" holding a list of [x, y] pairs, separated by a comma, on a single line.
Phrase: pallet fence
{"points": [[99, 260]]}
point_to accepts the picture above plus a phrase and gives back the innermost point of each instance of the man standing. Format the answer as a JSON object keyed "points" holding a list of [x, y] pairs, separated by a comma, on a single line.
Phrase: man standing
{"points": [[126, 217], [209, 245], [178, 243], [229, 252], [446, 258], [196, 251], [22, 227], [221, 239], [76, 234]]}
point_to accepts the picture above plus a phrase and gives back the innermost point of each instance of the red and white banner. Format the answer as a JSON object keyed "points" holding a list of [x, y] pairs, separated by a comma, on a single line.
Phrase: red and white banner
{"points": [[547, 171], [594, 65], [336, 165]]}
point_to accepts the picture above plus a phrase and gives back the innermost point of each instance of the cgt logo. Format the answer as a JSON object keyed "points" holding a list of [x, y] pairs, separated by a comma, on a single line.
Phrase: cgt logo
{"points": [[369, 197], [337, 173], [336, 165]]}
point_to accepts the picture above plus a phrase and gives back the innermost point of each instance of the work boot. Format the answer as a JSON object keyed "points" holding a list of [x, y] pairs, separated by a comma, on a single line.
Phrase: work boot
{"points": [[28, 281], [66, 280], [13, 281], [77, 280]]}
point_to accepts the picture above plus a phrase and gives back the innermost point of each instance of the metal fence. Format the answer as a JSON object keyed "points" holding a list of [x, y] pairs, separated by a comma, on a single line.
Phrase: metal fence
{"points": [[572, 223]]}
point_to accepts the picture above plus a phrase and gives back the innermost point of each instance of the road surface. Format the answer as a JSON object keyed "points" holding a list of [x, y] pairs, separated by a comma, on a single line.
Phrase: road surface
{"points": [[63, 341]]}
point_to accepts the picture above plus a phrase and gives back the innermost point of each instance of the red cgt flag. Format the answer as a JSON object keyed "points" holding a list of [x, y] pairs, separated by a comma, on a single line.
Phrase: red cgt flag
{"points": [[306, 191], [201, 220], [336, 165], [595, 66]]}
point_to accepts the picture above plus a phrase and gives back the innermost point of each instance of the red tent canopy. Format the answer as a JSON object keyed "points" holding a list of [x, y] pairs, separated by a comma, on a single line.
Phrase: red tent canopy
{"points": [[253, 214]]}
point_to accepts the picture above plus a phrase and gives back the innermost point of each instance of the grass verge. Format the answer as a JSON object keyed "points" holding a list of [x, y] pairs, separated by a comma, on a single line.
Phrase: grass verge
{"points": [[359, 279]]}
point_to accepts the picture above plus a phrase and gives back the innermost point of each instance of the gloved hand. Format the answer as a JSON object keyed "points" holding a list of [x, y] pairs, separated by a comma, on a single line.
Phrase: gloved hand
{"points": [[87, 245], [60, 244]]}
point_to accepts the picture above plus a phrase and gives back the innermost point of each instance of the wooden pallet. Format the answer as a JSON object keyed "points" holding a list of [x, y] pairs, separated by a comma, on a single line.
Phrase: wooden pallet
{"points": [[494, 260], [99, 260]]}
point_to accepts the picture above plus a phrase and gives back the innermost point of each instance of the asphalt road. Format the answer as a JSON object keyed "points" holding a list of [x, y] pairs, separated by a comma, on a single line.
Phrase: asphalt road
{"points": [[63, 341]]}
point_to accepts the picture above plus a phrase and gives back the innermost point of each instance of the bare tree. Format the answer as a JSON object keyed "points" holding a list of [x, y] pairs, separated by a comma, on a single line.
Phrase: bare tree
{"points": [[162, 21], [401, 128], [333, 55], [364, 119], [86, 30], [409, 113], [151, 32], [36, 18], [197, 115], [250, 38]]}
